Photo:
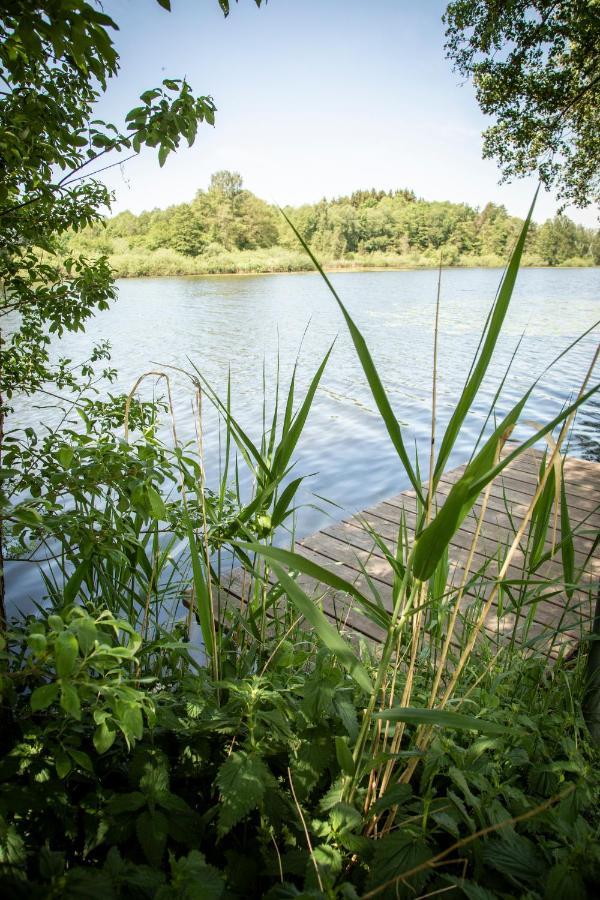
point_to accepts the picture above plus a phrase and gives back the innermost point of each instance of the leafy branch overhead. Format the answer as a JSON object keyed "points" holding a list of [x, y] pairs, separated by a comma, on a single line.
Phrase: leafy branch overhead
{"points": [[56, 61], [224, 4], [535, 65]]}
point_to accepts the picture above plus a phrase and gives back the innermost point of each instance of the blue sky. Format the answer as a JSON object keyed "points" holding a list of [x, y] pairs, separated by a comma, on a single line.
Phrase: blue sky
{"points": [[315, 98]]}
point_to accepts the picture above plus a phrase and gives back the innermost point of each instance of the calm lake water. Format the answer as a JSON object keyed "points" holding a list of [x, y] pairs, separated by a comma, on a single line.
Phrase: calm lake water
{"points": [[242, 322]]}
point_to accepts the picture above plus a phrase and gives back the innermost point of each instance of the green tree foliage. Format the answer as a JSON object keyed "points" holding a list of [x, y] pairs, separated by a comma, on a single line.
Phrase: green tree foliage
{"points": [[56, 60], [536, 69], [368, 225]]}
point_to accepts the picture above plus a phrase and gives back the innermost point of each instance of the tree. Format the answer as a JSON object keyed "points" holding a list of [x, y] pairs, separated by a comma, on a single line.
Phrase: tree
{"points": [[557, 240], [56, 59], [229, 184], [536, 69]]}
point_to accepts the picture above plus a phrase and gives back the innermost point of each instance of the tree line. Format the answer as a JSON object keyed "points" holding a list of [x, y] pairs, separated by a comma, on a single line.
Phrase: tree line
{"points": [[368, 226]]}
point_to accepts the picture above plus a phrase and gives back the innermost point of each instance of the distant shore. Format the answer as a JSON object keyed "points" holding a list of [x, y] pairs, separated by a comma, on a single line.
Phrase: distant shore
{"points": [[166, 263]]}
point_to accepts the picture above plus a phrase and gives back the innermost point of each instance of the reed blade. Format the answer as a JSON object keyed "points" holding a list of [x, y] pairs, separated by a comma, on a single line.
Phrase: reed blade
{"points": [[299, 563], [444, 718], [325, 632], [494, 327], [373, 379]]}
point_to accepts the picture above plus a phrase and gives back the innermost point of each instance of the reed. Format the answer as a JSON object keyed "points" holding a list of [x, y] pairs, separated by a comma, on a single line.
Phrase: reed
{"points": [[422, 595]]}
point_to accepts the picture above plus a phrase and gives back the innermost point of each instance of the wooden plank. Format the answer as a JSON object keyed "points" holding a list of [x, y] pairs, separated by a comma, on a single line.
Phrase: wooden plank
{"points": [[522, 490], [347, 549], [336, 548]]}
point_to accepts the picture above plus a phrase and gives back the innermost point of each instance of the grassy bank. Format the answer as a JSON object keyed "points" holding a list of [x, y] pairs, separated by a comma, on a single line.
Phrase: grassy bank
{"points": [[164, 262]]}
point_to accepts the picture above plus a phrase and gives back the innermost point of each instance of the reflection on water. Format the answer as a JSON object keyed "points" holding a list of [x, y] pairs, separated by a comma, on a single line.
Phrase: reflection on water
{"points": [[238, 323]]}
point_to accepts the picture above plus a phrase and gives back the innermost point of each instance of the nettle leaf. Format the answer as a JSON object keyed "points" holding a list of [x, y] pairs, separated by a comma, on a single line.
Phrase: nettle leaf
{"points": [[125, 803], [395, 854], [344, 756], [313, 758], [152, 829], [242, 781], [328, 859], [155, 780], [565, 883], [191, 877], [471, 890], [12, 848], [347, 713], [515, 857]]}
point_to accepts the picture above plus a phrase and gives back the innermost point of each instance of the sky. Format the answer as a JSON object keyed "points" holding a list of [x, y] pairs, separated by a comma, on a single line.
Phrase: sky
{"points": [[315, 98]]}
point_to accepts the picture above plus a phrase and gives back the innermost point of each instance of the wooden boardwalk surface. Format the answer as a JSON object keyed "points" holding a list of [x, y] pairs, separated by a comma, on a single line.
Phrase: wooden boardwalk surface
{"points": [[348, 549]]}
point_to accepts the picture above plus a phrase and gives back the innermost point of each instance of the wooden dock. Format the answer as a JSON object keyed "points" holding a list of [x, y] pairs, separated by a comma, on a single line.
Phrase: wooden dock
{"points": [[348, 549]]}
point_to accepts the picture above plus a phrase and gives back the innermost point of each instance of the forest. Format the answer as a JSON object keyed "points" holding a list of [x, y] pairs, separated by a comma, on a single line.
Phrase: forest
{"points": [[226, 228]]}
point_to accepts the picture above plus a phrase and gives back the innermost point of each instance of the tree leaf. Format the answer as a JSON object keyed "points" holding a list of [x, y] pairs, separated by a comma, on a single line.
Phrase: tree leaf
{"points": [[69, 700], [126, 803], [156, 503], [65, 456], [104, 738], [152, 829], [43, 696], [62, 764], [397, 853], [82, 759], [131, 721], [66, 650]]}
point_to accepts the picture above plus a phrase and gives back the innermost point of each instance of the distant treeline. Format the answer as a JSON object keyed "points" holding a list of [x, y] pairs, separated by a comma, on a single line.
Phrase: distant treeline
{"points": [[228, 229]]}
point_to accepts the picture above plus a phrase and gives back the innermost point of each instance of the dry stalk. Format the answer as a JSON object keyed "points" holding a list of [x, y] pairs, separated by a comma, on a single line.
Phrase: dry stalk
{"points": [[399, 728], [306, 834]]}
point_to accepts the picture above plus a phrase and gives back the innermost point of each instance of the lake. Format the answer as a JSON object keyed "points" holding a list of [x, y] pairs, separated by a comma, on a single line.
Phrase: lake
{"points": [[240, 323]]}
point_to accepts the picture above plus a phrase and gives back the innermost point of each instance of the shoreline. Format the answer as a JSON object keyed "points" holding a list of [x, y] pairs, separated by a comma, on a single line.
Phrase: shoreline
{"points": [[340, 269]]}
